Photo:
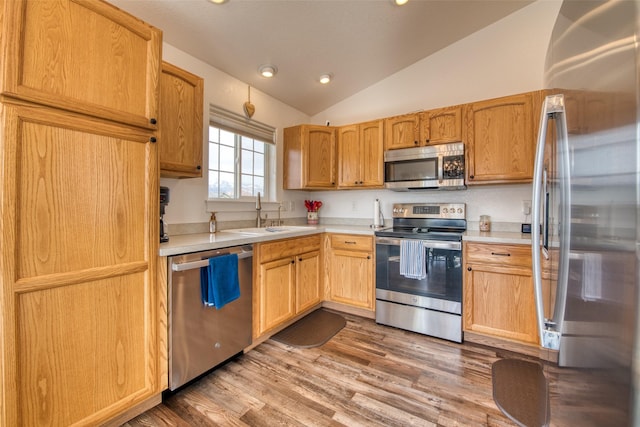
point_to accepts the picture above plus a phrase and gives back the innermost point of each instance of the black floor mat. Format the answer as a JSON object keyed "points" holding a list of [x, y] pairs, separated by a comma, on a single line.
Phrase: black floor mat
{"points": [[313, 330]]}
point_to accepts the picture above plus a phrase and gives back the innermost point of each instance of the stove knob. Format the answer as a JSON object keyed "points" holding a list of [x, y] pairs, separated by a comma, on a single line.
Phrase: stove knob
{"points": [[459, 210], [445, 210]]}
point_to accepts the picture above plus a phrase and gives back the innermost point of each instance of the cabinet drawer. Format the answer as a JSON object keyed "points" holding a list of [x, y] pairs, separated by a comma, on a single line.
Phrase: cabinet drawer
{"points": [[288, 247], [351, 242], [508, 255]]}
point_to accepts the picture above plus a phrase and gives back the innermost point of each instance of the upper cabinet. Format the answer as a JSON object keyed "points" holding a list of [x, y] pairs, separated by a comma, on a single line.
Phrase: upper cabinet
{"points": [[441, 126], [309, 157], [82, 56], [180, 128], [360, 163], [401, 131], [501, 139], [437, 126]]}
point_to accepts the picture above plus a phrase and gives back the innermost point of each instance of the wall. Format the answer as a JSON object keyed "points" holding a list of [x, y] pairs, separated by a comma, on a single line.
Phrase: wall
{"points": [[504, 58]]}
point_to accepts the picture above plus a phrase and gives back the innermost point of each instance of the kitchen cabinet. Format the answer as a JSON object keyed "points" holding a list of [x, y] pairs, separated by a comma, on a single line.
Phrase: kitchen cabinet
{"points": [[498, 295], [501, 139], [440, 126], [79, 194], [106, 63], [309, 157], [288, 281], [351, 265], [401, 131], [360, 161], [180, 129]]}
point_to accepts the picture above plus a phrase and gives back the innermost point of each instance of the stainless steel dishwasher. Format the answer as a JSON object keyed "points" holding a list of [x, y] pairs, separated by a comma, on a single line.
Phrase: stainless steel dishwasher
{"points": [[202, 337]]}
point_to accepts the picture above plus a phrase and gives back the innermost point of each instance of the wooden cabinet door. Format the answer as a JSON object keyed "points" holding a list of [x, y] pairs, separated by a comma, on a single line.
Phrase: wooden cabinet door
{"points": [[352, 278], [401, 131], [276, 293], [349, 157], [499, 301], [319, 150], [83, 56], [501, 139], [371, 135], [180, 128], [79, 249], [308, 289], [441, 126]]}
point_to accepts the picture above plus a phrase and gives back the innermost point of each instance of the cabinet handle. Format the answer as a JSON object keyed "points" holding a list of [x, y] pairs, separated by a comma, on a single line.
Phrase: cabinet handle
{"points": [[300, 259], [348, 242], [500, 254], [415, 142], [198, 167], [426, 141], [293, 261], [468, 268], [153, 121], [368, 256], [471, 176], [355, 182], [153, 139]]}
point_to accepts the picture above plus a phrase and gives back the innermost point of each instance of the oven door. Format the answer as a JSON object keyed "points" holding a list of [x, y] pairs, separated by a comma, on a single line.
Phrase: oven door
{"points": [[441, 289]]}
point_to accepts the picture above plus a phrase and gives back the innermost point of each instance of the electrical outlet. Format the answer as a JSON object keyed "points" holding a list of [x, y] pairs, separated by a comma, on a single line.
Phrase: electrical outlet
{"points": [[526, 207], [284, 206]]}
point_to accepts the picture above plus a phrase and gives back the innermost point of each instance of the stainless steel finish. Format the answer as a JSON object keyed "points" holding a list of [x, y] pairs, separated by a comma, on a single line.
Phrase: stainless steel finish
{"points": [[442, 210], [437, 152], [420, 301], [550, 329], [435, 244], [428, 322], [183, 266], [201, 337]]}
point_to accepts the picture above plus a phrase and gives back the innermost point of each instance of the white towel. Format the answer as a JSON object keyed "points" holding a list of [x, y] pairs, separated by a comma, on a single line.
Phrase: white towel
{"points": [[412, 263], [592, 277]]}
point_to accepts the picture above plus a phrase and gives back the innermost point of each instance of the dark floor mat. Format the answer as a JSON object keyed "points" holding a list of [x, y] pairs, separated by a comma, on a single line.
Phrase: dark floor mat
{"points": [[520, 390], [313, 330]]}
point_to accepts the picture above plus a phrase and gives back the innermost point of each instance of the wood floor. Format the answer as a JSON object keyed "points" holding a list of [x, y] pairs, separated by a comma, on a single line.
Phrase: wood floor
{"points": [[366, 375]]}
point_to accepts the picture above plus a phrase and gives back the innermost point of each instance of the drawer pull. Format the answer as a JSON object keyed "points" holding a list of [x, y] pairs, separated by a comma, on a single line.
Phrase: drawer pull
{"points": [[500, 254], [349, 242]]}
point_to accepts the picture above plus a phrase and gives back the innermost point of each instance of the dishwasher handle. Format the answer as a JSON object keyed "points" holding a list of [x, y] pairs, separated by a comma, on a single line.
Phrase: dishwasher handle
{"points": [[205, 262]]}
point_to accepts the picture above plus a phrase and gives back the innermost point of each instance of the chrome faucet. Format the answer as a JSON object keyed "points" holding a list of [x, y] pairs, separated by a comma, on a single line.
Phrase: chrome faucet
{"points": [[258, 210]]}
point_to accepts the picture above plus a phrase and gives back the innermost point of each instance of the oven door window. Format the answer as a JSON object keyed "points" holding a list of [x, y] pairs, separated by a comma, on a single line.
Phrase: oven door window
{"points": [[412, 170], [443, 267]]}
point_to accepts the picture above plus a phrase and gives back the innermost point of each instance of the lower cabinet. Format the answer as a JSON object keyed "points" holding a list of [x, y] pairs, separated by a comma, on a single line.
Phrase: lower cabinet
{"points": [[498, 292], [288, 281], [351, 266]]}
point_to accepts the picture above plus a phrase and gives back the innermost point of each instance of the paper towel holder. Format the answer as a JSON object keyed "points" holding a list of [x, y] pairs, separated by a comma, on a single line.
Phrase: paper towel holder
{"points": [[378, 217]]}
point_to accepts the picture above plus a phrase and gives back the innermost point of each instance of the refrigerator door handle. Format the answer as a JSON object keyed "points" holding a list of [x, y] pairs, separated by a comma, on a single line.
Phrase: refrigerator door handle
{"points": [[550, 329]]}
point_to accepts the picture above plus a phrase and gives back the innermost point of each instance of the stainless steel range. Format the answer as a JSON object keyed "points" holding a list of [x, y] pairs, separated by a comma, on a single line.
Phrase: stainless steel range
{"points": [[419, 269]]}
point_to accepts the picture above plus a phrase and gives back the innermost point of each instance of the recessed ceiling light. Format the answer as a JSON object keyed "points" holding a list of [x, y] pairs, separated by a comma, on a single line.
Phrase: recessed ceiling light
{"points": [[218, 1], [267, 71], [398, 2], [325, 78]]}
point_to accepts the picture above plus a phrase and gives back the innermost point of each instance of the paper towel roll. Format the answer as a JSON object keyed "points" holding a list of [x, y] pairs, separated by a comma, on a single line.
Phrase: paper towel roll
{"points": [[376, 213]]}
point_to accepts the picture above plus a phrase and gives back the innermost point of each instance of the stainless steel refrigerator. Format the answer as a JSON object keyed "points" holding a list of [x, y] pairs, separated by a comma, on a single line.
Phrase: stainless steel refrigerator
{"points": [[585, 214]]}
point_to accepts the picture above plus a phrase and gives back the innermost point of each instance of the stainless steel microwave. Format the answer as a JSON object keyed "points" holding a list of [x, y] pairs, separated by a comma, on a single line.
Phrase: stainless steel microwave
{"points": [[422, 168]]}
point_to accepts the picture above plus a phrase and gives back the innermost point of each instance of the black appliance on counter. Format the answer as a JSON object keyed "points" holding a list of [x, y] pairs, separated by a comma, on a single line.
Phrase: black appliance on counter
{"points": [[164, 201], [430, 305]]}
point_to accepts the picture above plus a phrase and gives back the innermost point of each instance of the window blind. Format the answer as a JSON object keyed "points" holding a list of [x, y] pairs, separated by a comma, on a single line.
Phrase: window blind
{"points": [[236, 123]]}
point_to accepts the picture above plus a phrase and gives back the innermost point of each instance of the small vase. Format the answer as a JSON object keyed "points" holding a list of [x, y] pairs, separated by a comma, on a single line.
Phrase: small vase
{"points": [[312, 218]]}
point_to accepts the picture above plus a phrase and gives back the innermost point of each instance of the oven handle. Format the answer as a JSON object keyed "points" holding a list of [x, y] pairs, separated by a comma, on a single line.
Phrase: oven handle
{"points": [[435, 244]]}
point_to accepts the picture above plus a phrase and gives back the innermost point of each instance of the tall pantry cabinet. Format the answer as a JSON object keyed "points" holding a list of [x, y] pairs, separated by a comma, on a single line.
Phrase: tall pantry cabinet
{"points": [[79, 212]]}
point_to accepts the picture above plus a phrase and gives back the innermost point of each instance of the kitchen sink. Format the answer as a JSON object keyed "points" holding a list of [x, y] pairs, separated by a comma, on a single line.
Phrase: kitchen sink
{"points": [[255, 231]]}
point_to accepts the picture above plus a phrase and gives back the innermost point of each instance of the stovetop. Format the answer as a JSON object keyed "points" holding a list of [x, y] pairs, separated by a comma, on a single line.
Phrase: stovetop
{"points": [[428, 221]]}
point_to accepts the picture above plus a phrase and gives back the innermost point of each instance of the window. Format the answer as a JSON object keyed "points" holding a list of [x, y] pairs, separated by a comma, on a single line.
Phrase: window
{"points": [[240, 155]]}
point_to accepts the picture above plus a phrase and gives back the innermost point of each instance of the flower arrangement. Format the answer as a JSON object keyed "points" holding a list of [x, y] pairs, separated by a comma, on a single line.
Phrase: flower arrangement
{"points": [[312, 211]]}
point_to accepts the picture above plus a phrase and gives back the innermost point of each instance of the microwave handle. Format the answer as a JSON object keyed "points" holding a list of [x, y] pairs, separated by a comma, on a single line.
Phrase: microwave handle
{"points": [[440, 168]]}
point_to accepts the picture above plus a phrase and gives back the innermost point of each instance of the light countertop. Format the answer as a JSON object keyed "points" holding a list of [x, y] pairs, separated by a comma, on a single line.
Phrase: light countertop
{"points": [[186, 243], [504, 237]]}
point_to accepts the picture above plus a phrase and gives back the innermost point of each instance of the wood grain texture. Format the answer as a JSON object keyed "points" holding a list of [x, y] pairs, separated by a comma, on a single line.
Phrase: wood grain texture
{"points": [[351, 270], [401, 131], [441, 125], [180, 123], [117, 81], [366, 375]]}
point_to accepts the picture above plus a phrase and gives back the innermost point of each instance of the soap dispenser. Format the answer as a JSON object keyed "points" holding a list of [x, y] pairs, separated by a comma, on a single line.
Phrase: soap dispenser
{"points": [[212, 223]]}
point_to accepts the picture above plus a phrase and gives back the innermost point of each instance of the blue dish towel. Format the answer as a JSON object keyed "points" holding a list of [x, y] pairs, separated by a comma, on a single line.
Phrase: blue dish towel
{"points": [[412, 262], [219, 284]]}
